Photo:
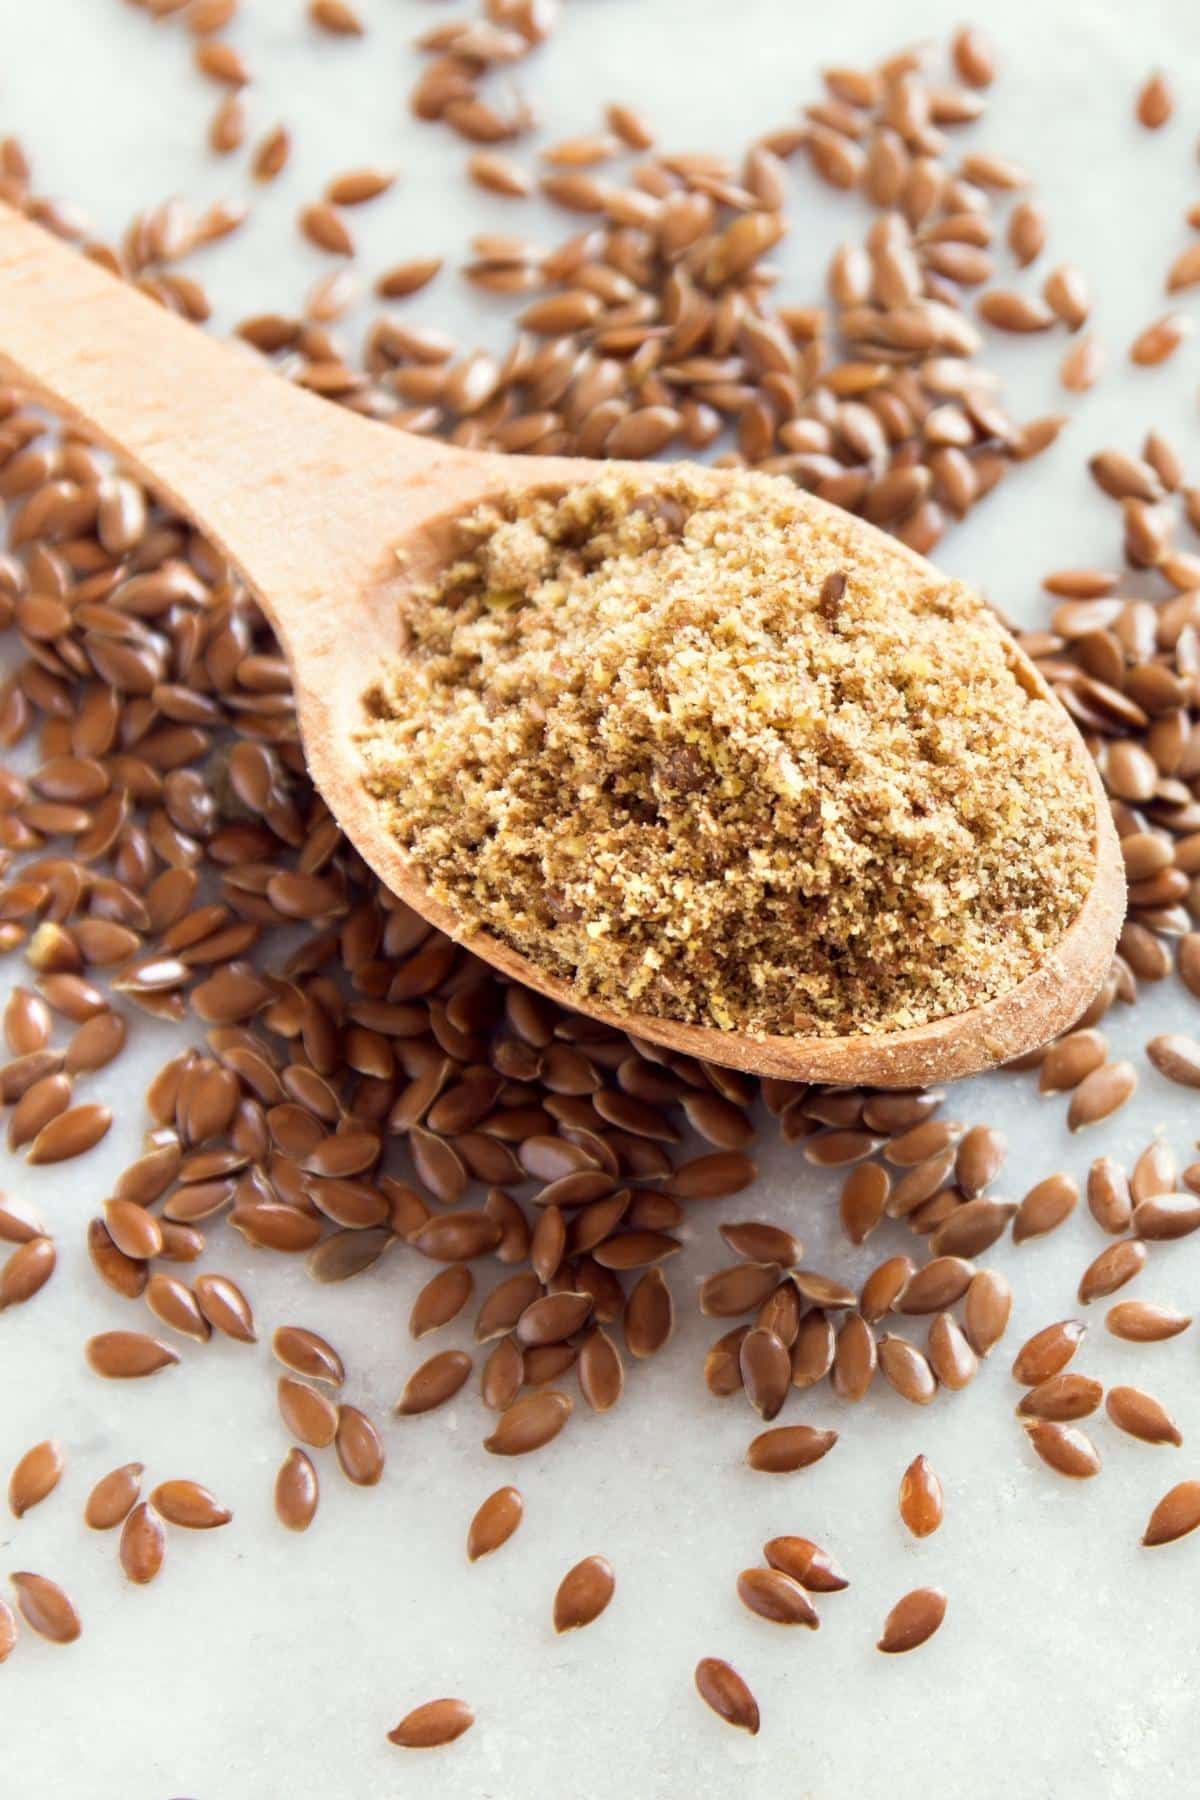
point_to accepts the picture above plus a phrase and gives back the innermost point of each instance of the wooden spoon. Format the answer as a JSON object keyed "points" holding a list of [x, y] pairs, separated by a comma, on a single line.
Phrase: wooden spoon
{"points": [[311, 504]]}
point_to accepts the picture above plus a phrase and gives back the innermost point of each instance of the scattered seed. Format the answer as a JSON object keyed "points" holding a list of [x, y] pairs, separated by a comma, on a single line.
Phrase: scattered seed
{"points": [[721, 1687], [308, 1354], [1048, 1352], [45, 1608], [1064, 1448], [494, 1522], [307, 1414], [1177, 1513], [921, 1502], [583, 1593], [1112, 1269], [114, 1497], [296, 1491], [36, 1475], [786, 1448], [776, 1596], [128, 1355], [1142, 1322], [1155, 102], [1142, 1416], [359, 1447], [188, 1504], [529, 1423], [435, 1723], [1062, 1398], [912, 1621]]}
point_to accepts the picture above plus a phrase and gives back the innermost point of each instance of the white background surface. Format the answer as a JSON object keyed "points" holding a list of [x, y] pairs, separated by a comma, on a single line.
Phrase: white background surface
{"points": [[261, 1665]]}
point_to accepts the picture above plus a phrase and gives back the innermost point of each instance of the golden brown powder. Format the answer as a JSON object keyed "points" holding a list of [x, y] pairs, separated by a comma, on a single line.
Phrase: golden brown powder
{"points": [[711, 757]]}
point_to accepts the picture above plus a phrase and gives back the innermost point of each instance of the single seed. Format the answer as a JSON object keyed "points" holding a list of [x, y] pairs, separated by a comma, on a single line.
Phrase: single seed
{"points": [[359, 1447], [776, 1596], [296, 1491], [583, 1593], [308, 1415], [113, 1497], [529, 1423], [1101, 1094], [1177, 1513], [1112, 1269], [1062, 1398], [1108, 1195], [307, 1353], [1159, 340], [786, 1448], [1064, 1448], [1047, 1352], [494, 1522], [143, 1544], [72, 1133], [188, 1504], [938, 1285], [435, 1723], [721, 1687], [45, 1608], [1142, 1416], [806, 1563], [951, 1357], [1045, 1207], [26, 1271], [226, 1307], [1141, 1322], [128, 1355], [921, 1502], [912, 1621], [36, 1475], [1155, 102]]}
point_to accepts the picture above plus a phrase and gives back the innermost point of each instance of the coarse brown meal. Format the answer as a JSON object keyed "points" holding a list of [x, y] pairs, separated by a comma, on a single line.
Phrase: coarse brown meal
{"points": [[714, 758]]}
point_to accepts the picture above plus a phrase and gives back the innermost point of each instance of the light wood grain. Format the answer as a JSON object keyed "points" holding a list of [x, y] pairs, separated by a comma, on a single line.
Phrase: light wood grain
{"points": [[328, 517]]}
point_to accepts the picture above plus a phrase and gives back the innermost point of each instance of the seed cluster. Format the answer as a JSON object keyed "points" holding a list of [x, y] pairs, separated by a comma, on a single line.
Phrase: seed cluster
{"points": [[360, 1076]]}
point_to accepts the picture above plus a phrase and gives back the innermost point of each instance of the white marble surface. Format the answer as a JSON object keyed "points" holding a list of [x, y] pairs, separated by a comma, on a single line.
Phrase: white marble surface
{"points": [[261, 1665]]}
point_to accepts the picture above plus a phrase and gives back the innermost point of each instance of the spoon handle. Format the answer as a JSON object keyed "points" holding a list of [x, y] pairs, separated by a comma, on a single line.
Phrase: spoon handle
{"points": [[296, 492]]}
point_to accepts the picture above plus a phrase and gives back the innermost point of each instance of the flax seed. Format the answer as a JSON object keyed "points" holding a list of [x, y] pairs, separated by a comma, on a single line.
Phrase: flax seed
{"points": [[296, 1491], [1142, 1322], [721, 1687], [495, 1522], [187, 1504], [1047, 1352], [128, 1355], [35, 1476], [1142, 1416], [114, 1497], [1177, 1513], [45, 1607], [786, 1448], [1155, 102], [583, 1594], [912, 1621]]}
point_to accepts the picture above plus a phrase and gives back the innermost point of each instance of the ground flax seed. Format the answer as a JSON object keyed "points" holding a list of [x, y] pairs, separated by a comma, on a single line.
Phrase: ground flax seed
{"points": [[710, 758]]}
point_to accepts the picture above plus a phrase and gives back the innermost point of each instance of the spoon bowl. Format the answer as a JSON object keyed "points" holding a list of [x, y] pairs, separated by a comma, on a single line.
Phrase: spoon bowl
{"points": [[329, 517]]}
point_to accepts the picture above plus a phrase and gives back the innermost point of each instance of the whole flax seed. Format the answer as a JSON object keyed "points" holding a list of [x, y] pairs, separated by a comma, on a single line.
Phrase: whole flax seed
{"points": [[113, 1497], [721, 1687], [1177, 1513], [494, 1522], [35, 1476], [921, 1503], [546, 588], [912, 1621], [45, 1607], [296, 1491], [583, 1593], [429, 1726]]}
